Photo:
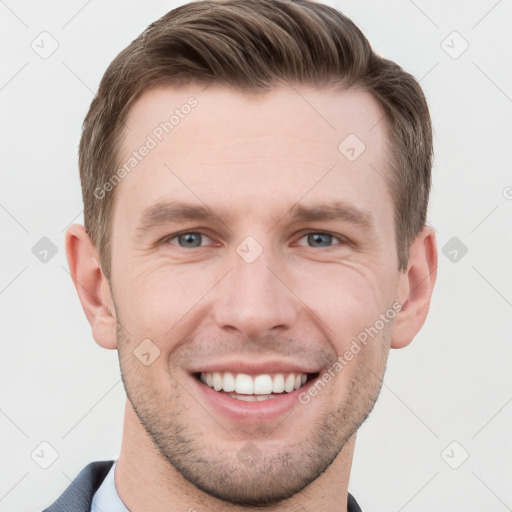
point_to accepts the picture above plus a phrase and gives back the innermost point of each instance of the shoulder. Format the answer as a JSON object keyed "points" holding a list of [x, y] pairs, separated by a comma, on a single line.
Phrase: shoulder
{"points": [[78, 496], [352, 505]]}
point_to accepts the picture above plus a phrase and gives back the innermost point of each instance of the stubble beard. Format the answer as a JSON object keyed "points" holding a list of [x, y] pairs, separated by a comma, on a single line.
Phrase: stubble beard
{"points": [[275, 476]]}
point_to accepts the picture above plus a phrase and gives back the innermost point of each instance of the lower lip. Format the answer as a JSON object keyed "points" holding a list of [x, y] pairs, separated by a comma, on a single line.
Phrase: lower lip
{"points": [[251, 412]]}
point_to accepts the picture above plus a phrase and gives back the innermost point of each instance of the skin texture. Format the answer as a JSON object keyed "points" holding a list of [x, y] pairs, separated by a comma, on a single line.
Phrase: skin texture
{"points": [[250, 159]]}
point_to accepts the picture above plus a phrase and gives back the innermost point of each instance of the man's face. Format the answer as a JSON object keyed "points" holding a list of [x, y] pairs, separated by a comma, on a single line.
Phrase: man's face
{"points": [[296, 259]]}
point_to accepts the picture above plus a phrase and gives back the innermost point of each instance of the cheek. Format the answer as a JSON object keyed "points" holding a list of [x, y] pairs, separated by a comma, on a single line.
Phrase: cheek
{"points": [[157, 299], [162, 302], [345, 299]]}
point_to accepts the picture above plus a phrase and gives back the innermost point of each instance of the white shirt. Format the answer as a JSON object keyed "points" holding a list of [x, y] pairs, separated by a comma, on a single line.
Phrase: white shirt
{"points": [[106, 498]]}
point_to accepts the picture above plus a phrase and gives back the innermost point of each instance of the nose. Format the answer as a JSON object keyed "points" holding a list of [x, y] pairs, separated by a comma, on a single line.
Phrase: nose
{"points": [[255, 298]]}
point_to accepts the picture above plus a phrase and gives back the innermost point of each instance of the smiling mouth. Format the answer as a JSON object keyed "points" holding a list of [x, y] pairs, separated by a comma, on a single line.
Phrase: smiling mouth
{"points": [[252, 388]]}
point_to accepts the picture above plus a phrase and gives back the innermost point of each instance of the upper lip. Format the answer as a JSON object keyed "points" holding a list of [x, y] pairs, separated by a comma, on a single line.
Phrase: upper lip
{"points": [[251, 366]]}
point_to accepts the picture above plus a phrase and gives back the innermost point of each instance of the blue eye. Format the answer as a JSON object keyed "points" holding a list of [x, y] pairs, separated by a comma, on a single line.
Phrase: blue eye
{"points": [[188, 240], [319, 239], [195, 239]]}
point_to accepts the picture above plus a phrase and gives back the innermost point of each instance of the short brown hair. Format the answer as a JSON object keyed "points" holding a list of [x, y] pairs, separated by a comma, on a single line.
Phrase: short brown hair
{"points": [[252, 46]]}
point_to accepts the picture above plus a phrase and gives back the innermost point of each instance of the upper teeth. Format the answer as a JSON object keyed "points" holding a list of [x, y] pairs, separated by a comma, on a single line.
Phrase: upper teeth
{"points": [[257, 385]]}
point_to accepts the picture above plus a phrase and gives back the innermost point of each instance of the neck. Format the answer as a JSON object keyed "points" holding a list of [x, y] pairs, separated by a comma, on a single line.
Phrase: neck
{"points": [[142, 473]]}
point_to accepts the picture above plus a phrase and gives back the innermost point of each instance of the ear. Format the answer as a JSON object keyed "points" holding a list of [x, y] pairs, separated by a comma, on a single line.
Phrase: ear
{"points": [[92, 286], [415, 288]]}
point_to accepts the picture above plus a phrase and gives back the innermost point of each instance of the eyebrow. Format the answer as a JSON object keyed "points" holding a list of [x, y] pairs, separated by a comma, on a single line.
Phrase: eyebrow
{"points": [[336, 210], [176, 211]]}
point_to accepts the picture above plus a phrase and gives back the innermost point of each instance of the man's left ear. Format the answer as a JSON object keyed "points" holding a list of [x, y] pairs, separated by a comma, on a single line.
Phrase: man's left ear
{"points": [[415, 288]]}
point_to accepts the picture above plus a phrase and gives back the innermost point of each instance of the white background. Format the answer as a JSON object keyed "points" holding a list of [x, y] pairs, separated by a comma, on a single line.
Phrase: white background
{"points": [[451, 384]]}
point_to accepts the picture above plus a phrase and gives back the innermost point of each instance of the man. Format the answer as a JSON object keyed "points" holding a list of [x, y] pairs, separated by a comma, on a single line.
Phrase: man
{"points": [[255, 182]]}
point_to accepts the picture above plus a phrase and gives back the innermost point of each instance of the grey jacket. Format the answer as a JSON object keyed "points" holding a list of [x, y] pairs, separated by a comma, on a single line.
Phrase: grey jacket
{"points": [[78, 496]]}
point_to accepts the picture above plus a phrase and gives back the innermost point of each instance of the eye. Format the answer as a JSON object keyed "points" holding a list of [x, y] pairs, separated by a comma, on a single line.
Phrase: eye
{"points": [[195, 239], [189, 240], [319, 239]]}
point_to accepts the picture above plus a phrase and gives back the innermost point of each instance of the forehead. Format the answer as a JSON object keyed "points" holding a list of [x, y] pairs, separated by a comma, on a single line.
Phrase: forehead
{"points": [[210, 115], [261, 151]]}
